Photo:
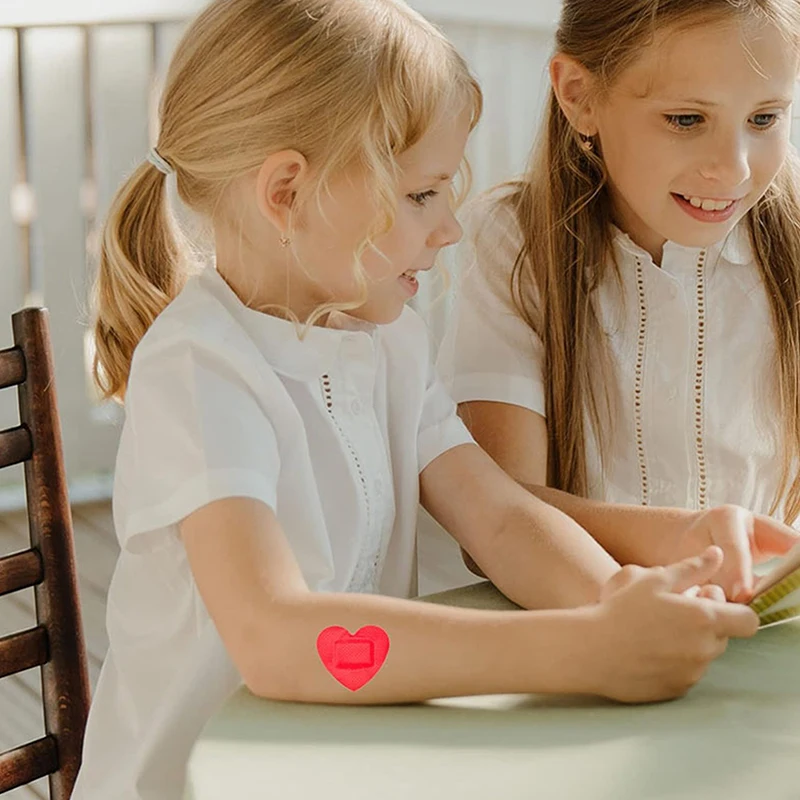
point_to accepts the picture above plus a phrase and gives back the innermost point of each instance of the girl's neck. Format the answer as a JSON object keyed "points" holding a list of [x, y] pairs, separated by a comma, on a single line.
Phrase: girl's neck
{"points": [[631, 224], [266, 282]]}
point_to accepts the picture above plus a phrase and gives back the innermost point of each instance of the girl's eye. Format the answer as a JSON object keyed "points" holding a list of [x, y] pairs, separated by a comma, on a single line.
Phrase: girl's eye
{"points": [[683, 122], [764, 121], [422, 198]]}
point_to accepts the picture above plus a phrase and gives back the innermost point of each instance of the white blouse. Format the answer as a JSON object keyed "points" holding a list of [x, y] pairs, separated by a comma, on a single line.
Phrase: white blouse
{"points": [[692, 343], [331, 432]]}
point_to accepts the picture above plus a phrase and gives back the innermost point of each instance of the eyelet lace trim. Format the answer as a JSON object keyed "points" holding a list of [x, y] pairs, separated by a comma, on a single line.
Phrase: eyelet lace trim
{"points": [[699, 386], [639, 384], [327, 394]]}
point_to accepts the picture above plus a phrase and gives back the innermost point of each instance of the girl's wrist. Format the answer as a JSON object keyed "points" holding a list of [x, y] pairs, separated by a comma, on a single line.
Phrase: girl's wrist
{"points": [[586, 671], [574, 645], [684, 540], [667, 538]]}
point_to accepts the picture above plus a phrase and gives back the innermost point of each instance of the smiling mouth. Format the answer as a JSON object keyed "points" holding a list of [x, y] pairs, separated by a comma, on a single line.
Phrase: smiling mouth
{"points": [[409, 280], [705, 203]]}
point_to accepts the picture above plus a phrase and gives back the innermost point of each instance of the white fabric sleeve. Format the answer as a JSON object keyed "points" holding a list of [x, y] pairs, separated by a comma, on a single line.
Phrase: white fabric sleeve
{"points": [[195, 434], [489, 352]]}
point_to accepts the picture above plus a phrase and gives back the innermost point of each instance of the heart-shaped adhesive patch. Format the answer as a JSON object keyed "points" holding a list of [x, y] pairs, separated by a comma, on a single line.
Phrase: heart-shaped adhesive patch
{"points": [[353, 659]]}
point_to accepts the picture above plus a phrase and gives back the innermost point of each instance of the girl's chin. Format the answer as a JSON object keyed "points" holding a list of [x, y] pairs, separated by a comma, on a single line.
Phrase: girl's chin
{"points": [[707, 236], [374, 314]]}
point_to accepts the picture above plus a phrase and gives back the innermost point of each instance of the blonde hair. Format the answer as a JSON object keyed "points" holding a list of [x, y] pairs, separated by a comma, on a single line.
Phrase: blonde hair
{"points": [[564, 211], [344, 82]]}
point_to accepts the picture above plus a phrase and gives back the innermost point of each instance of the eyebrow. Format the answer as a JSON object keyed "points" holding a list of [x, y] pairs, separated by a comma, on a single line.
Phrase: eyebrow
{"points": [[777, 101]]}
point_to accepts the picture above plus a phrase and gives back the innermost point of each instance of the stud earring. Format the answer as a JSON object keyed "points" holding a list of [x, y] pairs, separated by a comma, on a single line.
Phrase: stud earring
{"points": [[285, 241]]}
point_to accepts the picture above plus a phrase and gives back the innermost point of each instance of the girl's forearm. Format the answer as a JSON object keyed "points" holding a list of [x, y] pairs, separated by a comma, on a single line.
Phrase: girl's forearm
{"points": [[435, 651], [631, 534], [542, 558], [535, 554]]}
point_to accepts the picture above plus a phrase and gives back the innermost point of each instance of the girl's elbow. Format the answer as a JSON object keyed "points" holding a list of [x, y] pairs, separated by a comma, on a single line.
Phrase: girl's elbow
{"points": [[259, 681], [257, 669], [271, 678], [269, 662], [259, 657]]}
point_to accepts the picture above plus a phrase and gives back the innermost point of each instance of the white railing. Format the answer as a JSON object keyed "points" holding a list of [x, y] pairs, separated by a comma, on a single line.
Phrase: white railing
{"points": [[80, 99], [527, 13]]}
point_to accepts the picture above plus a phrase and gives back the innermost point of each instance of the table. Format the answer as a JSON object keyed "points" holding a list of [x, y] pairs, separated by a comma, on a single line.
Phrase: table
{"points": [[736, 736]]}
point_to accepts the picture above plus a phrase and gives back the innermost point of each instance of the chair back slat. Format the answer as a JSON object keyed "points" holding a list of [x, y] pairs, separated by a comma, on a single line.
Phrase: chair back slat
{"points": [[15, 446], [12, 367], [22, 651], [28, 763], [20, 571], [57, 644]]}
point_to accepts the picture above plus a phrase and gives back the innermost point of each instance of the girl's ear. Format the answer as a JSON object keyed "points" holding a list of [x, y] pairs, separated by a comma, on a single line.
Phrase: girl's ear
{"points": [[279, 180], [573, 85]]}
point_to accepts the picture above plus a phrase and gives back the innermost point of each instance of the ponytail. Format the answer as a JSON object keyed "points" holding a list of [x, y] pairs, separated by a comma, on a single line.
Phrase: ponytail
{"points": [[142, 268]]}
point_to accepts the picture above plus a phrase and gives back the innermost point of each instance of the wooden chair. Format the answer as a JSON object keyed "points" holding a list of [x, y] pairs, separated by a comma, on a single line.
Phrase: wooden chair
{"points": [[56, 643]]}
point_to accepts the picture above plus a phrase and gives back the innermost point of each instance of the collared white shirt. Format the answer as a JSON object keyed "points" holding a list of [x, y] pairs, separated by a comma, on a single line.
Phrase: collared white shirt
{"points": [[696, 422], [331, 432]]}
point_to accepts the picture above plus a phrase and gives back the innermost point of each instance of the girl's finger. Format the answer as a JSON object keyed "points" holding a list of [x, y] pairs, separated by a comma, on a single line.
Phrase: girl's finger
{"points": [[712, 592], [773, 538], [682, 576], [734, 533]]}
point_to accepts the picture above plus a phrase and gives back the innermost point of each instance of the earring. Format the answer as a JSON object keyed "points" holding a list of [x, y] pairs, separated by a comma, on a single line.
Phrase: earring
{"points": [[285, 241], [586, 143]]}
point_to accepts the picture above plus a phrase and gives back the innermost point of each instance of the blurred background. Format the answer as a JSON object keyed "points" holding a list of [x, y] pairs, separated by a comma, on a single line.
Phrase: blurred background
{"points": [[79, 85]]}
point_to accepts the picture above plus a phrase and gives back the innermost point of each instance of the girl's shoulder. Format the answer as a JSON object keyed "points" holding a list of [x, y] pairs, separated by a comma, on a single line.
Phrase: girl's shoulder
{"points": [[491, 215], [491, 246], [492, 236], [195, 327], [193, 314]]}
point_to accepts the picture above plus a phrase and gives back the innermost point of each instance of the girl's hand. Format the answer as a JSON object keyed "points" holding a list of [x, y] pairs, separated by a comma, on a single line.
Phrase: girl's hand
{"points": [[656, 637], [709, 591], [744, 538]]}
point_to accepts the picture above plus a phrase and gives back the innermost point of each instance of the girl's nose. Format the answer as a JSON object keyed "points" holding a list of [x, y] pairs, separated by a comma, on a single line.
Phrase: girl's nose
{"points": [[727, 163], [449, 232]]}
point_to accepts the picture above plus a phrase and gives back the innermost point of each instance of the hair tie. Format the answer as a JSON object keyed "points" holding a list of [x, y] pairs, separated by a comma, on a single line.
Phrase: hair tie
{"points": [[154, 157]]}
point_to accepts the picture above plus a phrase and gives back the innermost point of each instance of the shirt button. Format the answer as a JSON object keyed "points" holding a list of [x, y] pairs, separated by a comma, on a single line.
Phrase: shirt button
{"points": [[356, 407]]}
